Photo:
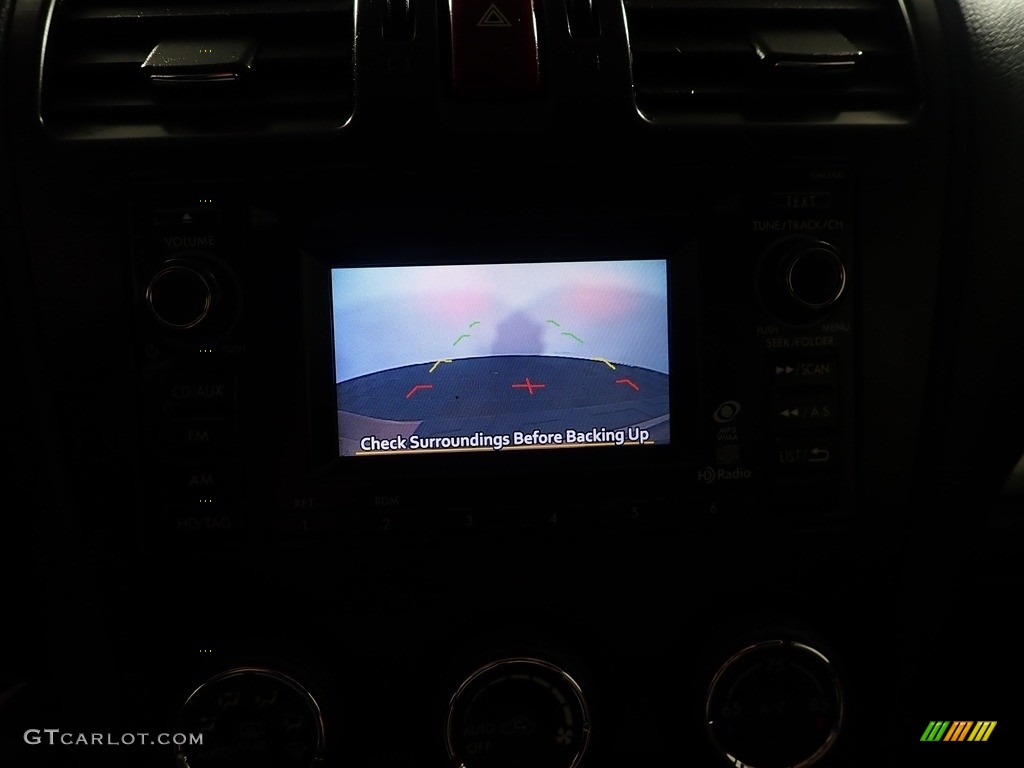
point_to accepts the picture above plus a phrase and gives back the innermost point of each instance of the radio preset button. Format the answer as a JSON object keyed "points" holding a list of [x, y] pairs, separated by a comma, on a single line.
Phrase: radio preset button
{"points": [[301, 526], [390, 522]]}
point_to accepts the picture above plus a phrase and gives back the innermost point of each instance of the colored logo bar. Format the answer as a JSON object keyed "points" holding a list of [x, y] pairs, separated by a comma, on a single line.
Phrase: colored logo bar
{"points": [[958, 730]]}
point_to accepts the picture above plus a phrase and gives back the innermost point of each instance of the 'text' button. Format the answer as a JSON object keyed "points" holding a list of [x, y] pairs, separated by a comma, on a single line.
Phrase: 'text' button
{"points": [[805, 201]]}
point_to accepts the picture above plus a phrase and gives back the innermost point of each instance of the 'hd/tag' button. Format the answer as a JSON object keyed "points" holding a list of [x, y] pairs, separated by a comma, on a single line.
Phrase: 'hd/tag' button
{"points": [[494, 47]]}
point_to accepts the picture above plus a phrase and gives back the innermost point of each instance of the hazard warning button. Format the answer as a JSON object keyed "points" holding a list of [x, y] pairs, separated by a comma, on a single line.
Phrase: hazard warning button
{"points": [[494, 47]]}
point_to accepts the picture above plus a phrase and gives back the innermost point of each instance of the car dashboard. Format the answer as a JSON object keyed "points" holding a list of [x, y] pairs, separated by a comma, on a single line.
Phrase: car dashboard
{"points": [[526, 383]]}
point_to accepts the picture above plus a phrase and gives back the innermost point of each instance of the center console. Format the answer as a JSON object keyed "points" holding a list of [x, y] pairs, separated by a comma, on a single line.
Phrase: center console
{"points": [[374, 370]]}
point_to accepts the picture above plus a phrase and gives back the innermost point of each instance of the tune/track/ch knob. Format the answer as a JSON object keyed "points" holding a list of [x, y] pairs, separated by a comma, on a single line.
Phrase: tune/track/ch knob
{"points": [[814, 276], [801, 279]]}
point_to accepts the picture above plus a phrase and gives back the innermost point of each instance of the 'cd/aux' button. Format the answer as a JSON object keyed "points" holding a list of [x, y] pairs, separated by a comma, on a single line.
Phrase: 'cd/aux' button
{"points": [[199, 394]]}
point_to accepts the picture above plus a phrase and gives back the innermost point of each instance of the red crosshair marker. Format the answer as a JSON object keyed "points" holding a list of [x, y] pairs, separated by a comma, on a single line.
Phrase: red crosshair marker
{"points": [[529, 386], [418, 386]]}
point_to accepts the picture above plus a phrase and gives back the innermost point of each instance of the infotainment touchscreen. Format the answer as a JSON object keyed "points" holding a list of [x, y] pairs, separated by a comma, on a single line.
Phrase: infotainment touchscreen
{"points": [[501, 357]]}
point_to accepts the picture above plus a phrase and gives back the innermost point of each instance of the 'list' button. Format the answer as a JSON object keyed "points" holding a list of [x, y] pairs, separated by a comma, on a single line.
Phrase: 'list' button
{"points": [[815, 457]]}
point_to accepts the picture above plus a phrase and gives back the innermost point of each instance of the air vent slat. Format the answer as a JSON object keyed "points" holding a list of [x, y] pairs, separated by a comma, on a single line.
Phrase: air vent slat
{"points": [[193, 110], [694, 47], [773, 58], [703, 7], [105, 12], [299, 67], [268, 56], [133, 56]]}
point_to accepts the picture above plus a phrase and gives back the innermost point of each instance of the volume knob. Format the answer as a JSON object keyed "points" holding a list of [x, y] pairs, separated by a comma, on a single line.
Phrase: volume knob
{"points": [[180, 296]]}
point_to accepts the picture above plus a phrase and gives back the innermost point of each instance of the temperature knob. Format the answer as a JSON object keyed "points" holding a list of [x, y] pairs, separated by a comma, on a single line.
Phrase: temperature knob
{"points": [[518, 713], [251, 718], [775, 704]]}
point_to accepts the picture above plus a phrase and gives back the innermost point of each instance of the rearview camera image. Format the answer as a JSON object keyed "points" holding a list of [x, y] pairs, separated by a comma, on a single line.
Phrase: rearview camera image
{"points": [[501, 357]]}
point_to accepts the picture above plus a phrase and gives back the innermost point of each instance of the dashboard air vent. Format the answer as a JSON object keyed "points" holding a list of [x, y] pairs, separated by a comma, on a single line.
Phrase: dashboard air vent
{"points": [[149, 69], [772, 60]]}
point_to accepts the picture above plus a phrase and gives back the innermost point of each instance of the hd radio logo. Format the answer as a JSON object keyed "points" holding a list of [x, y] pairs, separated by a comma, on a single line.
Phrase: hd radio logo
{"points": [[958, 730]]}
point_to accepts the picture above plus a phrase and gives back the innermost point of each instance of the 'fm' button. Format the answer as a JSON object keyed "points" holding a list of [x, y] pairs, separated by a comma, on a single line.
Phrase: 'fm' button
{"points": [[494, 47]]}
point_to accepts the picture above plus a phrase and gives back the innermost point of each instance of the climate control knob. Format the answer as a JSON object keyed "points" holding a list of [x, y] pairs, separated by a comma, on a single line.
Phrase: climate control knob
{"points": [[518, 712], [251, 717], [775, 704]]}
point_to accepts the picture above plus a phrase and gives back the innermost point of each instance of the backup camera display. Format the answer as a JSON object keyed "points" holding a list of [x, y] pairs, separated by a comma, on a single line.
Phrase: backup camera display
{"points": [[501, 357]]}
